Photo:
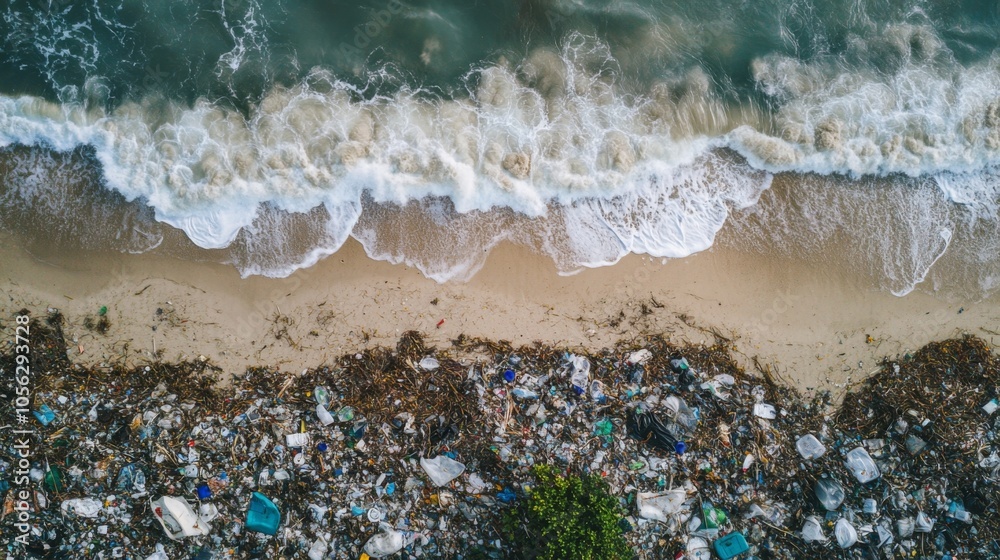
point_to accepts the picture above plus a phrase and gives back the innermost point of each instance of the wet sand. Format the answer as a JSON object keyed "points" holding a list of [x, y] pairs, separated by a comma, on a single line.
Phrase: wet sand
{"points": [[817, 328]]}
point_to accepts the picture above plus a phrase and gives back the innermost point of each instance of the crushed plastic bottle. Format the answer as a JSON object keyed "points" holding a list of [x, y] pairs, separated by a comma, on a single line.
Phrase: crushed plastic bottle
{"points": [[597, 392], [524, 394], [809, 447], [322, 396], [324, 415]]}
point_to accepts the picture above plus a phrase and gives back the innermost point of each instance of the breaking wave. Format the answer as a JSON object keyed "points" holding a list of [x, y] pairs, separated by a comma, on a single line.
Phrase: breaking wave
{"points": [[562, 150]]}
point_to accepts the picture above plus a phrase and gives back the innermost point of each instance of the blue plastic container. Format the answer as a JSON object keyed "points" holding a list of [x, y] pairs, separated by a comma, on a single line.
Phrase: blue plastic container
{"points": [[263, 516], [731, 546]]}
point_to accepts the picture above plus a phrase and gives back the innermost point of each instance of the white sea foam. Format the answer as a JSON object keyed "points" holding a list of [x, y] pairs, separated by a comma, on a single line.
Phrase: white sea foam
{"points": [[591, 171]]}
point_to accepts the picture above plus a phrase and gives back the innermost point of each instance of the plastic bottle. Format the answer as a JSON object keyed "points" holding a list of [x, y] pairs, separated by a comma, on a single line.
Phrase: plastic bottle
{"points": [[321, 395], [522, 393], [580, 376], [809, 447], [324, 415], [597, 392]]}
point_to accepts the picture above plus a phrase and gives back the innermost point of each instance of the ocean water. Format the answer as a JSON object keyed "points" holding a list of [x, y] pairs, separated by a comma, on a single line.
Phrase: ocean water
{"points": [[270, 132]]}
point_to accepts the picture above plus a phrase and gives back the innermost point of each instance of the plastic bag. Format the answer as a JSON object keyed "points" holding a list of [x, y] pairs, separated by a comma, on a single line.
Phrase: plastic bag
{"points": [[660, 506], [84, 507], [812, 530], [860, 463], [830, 493], [388, 542], [442, 469], [647, 428], [846, 534]]}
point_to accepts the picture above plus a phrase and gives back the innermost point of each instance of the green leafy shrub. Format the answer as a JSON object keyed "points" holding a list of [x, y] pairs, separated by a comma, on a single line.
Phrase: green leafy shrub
{"points": [[567, 517]]}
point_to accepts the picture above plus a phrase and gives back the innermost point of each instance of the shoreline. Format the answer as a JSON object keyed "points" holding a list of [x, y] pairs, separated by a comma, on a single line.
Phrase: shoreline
{"points": [[818, 329]]}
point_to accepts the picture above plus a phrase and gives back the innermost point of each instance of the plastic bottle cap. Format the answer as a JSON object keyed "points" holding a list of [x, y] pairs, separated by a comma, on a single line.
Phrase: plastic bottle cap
{"points": [[680, 447], [509, 375], [322, 447]]}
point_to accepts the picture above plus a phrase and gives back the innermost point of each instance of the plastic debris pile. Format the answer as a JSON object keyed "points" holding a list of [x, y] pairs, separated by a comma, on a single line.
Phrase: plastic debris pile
{"points": [[417, 453]]}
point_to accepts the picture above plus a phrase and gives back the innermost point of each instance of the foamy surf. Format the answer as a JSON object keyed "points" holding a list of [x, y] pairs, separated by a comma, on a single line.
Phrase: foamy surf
{"points": [[570, 149]]}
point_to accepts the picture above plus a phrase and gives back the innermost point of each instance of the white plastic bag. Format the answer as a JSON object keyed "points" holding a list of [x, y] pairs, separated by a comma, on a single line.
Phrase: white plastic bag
{"points": [[639, 356], [318, 550], [812, 530], [442, 469], [846, 534], [860, 463], [660, 506], [388, 542], [924, 523], [697, 549], [84, 507], [765, 411]]}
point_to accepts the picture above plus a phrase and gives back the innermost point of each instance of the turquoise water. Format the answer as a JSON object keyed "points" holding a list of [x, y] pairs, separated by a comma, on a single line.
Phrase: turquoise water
{"points": [[271, 132]]}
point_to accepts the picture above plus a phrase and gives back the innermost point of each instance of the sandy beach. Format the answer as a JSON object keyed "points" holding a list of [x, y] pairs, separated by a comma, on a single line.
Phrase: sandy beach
{"points": [[816, 328]]}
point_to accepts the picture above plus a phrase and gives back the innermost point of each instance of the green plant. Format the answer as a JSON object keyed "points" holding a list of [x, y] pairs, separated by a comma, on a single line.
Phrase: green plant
{"points": [[566, 517]]}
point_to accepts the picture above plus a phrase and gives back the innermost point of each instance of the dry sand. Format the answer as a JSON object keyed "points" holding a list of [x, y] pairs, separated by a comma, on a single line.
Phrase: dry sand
{"points": [[809, 325]]}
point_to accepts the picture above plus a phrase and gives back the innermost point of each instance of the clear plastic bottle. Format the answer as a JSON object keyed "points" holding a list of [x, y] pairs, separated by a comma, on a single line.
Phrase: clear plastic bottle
{"points": [[580, 376], [522, 393], [809, 447]]}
